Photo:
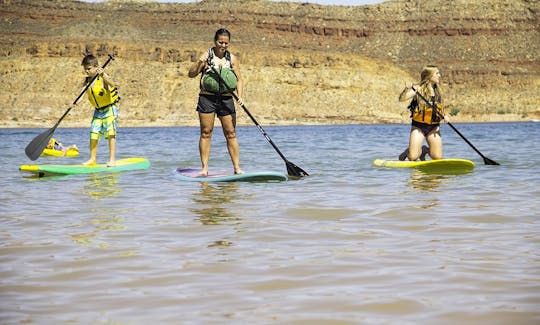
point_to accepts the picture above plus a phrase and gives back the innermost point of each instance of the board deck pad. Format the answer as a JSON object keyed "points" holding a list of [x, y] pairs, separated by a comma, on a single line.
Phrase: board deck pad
{"points": [[446, 166], [74, 169], [192, 174]]}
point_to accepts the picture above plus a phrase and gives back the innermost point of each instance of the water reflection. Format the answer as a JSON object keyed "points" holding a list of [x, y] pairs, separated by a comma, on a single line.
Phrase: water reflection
{"points": [[101, 186], [102, 222], [104, 217], [425, 182], [212, 202]]}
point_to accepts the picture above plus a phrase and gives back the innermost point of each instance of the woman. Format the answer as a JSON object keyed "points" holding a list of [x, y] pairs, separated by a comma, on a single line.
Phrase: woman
{"points": [[216, 99], [425, 120]]}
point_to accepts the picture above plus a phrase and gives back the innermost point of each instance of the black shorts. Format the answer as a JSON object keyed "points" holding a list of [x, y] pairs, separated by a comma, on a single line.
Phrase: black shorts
{"points": [[221, 105], [425, 128]]}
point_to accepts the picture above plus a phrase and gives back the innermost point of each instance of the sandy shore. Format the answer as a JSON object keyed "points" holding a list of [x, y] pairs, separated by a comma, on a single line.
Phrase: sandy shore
{"points": [[244, 121]]}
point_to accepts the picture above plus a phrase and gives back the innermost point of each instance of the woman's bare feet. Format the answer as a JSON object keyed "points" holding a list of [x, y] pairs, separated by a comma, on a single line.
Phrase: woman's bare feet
{"points": [[111, 163], [239, 171], [89, 162], [203, 173]]}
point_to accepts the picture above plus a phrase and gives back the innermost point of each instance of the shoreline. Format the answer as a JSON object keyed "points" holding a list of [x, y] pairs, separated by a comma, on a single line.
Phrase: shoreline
{"points": [[245, 121]]}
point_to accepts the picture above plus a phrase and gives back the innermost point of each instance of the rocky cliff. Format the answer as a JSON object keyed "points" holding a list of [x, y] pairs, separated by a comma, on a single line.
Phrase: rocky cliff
{"points": [[302, 63]]}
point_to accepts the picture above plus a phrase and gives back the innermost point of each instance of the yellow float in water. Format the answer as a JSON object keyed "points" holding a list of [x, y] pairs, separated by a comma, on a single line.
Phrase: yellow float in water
{"points": [[71, 152]]}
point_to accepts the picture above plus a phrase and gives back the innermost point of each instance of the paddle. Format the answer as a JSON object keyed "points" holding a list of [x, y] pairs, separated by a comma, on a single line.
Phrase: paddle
{"points": [[487, 161], [292, 169], [34, 149]]}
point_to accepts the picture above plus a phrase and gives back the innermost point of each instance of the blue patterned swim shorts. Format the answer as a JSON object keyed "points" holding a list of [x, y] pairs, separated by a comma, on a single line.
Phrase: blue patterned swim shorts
{"points": [[104, 122]]}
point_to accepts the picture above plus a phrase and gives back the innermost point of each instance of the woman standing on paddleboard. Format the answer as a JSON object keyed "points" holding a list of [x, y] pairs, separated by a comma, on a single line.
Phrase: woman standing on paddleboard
{"points": [[426, 113], [216, 99]]}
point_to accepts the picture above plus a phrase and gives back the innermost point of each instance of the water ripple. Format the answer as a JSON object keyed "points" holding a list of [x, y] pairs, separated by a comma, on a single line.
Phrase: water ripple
{"points": [[351, 244]]}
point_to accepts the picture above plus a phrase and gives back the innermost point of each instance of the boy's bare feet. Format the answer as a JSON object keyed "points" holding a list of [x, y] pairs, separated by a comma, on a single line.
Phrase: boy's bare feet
{"points": [[111, 163], [89, 162]]}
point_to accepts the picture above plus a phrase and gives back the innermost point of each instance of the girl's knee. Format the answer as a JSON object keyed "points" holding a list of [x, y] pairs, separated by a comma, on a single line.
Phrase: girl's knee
{"points": [[414, 155], [436, 155]]}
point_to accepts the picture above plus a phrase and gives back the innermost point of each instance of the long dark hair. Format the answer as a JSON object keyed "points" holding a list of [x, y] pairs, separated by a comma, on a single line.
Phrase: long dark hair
{"points": [[222, 31]]}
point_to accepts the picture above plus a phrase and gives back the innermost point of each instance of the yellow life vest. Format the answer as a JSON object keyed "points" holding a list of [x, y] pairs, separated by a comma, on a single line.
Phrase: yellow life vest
{"points": [[423, 112], [100, 95]]}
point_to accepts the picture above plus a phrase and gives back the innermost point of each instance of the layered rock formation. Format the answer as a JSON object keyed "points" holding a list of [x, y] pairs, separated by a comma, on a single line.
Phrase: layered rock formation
{"points": [[302, 63]]}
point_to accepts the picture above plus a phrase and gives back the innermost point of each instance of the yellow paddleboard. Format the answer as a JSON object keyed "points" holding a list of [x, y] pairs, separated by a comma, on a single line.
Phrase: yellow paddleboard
{"points": [[445, 166]]}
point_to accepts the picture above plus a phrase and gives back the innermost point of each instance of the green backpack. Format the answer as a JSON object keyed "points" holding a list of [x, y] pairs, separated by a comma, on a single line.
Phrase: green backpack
{"points": [[210, 80]]}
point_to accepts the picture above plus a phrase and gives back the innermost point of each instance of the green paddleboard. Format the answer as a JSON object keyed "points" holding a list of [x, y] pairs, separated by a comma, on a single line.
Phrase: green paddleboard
{"points": [[121, 165]]}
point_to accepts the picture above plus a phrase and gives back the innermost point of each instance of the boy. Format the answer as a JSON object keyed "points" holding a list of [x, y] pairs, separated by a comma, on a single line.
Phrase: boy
{"points": [[103, 95]]}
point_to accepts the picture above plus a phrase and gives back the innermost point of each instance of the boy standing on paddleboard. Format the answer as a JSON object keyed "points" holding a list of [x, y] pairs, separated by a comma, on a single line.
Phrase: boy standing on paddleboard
{"points": [[103, 96]]}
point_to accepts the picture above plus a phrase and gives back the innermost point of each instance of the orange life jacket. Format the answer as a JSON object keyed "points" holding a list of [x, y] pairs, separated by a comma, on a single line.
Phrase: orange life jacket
{"points": [[423, 112]]}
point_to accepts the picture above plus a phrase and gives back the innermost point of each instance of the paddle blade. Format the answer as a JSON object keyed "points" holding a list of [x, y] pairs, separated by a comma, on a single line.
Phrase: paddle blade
{"points": [[488, 161], [293, 170], [34, 149]]}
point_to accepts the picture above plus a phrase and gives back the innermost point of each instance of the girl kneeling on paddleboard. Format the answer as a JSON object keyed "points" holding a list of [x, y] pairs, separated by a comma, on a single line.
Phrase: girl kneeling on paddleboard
{"points": [[426, 117]]}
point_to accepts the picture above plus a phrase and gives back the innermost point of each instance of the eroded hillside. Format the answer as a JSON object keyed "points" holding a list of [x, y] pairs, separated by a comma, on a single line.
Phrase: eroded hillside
{"points": [[302, 63]]}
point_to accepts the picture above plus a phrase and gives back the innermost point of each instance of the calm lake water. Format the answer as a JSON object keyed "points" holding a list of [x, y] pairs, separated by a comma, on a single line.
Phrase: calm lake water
{"points": [[350, 244]]}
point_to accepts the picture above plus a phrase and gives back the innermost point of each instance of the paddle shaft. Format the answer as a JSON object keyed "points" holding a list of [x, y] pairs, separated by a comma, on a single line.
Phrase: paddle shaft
{"points": [[248, 113], [34, 149], [487, 161], [267, 137]]}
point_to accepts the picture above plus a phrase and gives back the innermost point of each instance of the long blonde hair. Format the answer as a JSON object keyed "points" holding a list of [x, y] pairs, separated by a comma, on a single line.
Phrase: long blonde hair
{"points": [[425, 85]]}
